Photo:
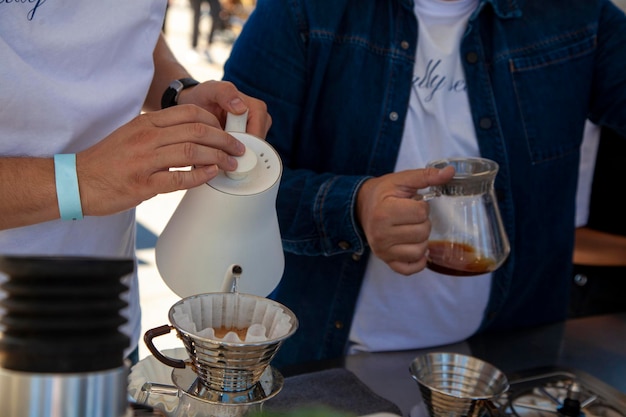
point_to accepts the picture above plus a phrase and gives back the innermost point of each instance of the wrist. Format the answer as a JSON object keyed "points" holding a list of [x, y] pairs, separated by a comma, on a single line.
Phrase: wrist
{"points": [[171, 94], [182, 96], [66, 180]]}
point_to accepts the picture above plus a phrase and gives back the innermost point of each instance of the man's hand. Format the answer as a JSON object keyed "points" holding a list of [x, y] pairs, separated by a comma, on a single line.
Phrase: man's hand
{"points": [[395, 223], [222, 97], [133, 163]]}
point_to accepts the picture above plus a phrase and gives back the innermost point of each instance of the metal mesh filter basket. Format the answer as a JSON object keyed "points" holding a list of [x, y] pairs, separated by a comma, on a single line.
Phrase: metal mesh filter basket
{"points": [[454, 385], [235, 366]]}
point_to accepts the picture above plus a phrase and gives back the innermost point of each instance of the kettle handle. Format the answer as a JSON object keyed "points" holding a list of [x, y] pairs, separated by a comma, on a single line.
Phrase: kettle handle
{"points": [[160, 331], [236, 122]]}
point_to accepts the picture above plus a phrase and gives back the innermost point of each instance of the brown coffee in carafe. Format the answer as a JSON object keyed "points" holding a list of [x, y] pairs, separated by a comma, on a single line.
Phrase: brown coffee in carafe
{"points": [[458, 259]]}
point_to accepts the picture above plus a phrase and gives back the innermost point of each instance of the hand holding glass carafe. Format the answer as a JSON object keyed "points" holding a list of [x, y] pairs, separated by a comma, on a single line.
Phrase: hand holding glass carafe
{"points": [[467, 235]]}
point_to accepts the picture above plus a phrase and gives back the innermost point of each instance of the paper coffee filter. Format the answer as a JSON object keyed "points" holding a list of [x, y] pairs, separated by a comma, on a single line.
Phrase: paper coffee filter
{"points": [[201, 315]]}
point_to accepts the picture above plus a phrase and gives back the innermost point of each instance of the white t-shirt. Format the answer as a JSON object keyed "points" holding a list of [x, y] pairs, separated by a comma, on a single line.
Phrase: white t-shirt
{"points": [[588, 153], [395, 312], [72, 72]]}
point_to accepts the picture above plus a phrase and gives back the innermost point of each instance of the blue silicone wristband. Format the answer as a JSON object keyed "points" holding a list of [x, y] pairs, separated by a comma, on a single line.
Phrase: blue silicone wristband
{"points": [[66, 179]]}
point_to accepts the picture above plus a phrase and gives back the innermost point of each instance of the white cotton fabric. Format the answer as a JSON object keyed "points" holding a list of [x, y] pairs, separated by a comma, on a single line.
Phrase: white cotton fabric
{"points": [[74, 71], [395, 312], [587, 165]]}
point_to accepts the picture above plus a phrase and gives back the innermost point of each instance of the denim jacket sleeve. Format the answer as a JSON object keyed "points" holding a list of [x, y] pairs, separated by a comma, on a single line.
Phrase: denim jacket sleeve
{"points": [[324, 222]]}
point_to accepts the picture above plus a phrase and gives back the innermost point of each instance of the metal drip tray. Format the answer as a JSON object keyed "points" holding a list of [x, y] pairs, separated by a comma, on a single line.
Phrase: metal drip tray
{"points": [[543, 392]]}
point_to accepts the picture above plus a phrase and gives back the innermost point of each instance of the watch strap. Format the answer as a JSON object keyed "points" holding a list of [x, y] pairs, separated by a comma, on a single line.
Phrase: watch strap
{"points": [[170, 96]]}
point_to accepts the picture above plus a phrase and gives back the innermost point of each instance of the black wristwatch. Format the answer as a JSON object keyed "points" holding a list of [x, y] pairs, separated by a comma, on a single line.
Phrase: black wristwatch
{"points": [[170, 96]]}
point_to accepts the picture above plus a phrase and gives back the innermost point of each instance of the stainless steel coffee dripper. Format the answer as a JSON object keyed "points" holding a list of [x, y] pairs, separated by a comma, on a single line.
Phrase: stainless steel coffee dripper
{"points": [[455, 385], [221, 365], [222, 377]]}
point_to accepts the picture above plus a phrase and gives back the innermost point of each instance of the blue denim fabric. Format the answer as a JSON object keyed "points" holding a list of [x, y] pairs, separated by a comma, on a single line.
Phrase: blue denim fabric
{"points": [[336, 76]]}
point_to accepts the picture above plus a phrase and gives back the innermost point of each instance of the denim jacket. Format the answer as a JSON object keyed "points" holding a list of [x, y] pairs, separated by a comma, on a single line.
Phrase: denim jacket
{"points": [[336, 77]]}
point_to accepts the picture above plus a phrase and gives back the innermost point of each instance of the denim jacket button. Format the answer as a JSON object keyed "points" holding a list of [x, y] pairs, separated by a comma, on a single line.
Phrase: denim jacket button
{"points": [[356, 257], [393, 116], [338, 325], [404, 45], [472, 57], [580, 280], [485, 123], [344, 245]]}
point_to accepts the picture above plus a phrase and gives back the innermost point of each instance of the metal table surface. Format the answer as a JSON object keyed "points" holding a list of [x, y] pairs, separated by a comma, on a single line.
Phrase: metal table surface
{"points": [[595, 345]]}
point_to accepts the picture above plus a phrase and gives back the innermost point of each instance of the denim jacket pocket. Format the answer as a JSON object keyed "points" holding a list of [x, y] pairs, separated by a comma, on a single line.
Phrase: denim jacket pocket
{"points": [[549, 79]]}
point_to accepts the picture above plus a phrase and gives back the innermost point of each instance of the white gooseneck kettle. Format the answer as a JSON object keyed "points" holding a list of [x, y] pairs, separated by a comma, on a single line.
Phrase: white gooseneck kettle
{"points": [[229, 221]]}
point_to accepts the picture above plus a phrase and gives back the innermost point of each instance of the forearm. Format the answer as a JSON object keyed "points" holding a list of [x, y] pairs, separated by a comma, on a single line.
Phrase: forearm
{"points": [[28, 192], [166, 69]]}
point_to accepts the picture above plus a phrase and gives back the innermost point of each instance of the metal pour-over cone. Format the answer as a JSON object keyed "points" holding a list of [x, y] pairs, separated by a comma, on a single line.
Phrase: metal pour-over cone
{"points": [[455, 385], [231, 365], [225, 364]]}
